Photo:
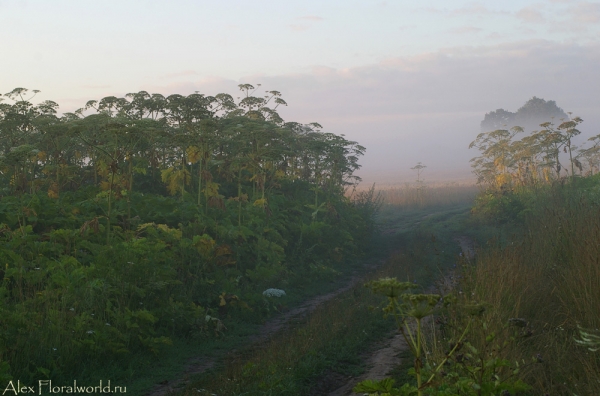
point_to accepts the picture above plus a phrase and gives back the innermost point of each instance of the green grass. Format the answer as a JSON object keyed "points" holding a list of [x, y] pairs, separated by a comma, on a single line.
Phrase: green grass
{"points": [[339, 348], [331, 338]]}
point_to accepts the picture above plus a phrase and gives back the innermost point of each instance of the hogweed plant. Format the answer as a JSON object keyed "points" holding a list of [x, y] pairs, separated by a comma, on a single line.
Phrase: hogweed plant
{"points": [[463, 368], [409, 310], [480, 366]]}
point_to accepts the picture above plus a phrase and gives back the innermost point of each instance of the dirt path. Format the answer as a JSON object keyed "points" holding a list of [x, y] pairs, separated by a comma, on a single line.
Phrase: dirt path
{"points": [[380, 362], [467, 246], [387, 356], [275, 324], [200, 364]]}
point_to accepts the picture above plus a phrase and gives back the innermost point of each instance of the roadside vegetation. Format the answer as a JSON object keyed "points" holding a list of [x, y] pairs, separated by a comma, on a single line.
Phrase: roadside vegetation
{"points": [[545, 274], [523, 316], [546, 279], [137, 226]]}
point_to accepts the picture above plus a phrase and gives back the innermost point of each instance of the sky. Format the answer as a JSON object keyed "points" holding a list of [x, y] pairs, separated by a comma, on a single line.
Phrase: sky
{"points": [[409, 80]]}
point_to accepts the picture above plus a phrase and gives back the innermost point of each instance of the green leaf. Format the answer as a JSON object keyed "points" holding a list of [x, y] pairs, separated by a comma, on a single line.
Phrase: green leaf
{"points": [[385, 385]]}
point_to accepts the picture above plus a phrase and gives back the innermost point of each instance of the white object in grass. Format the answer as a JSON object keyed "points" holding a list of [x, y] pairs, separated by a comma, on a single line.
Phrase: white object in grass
{"points": [[274, 293]]}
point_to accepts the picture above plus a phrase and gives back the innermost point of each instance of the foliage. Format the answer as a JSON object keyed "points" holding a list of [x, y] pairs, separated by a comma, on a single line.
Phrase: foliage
{"points": [[529, 116], [511, 170], [506, 163], [135, 221], [463, 368], [546, 273]]}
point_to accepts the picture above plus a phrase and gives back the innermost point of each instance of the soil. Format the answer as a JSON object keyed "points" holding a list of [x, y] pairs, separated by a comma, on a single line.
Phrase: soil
{"points": [[380, 363], [467, 246]]}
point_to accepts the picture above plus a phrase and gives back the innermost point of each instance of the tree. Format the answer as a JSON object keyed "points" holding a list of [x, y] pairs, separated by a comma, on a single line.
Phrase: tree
{"points": [[499, 119], [493, 166], [529, 116], [536, 111]]}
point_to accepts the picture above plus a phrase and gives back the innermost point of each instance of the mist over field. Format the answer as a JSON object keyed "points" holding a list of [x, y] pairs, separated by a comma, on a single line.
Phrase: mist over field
{"points": [[411, 82]]}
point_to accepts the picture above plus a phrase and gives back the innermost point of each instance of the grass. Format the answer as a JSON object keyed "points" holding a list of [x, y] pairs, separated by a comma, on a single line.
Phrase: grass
{"points": [[330, 338], [333, 337], [145, 370], [549, 275], [423, 196]]}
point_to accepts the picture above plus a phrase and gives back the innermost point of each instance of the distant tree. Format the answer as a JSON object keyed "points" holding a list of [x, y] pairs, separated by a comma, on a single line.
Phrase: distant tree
{"points": [[537, 111], [505, 162], [529, 116], [499, 119]]}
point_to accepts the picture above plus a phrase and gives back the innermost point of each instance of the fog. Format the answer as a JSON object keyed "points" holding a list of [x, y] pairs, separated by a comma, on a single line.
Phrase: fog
{"points": [[410, 82], [429, 108]]}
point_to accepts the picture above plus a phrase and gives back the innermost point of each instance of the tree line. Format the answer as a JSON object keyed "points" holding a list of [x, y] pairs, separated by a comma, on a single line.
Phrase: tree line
{"points": [[193, 144], [138, 220]]}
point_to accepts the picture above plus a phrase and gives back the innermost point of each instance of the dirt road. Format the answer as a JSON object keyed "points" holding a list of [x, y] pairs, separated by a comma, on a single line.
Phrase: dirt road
{"points": [[380, 362], [387, 356]]}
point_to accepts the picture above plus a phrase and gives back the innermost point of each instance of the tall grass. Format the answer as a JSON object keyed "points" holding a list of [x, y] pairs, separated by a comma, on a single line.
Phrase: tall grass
{"points": [[548, 275]]}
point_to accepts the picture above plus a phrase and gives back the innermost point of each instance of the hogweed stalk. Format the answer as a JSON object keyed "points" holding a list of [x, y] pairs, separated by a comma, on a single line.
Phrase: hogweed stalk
{"points": [[405, 306]]}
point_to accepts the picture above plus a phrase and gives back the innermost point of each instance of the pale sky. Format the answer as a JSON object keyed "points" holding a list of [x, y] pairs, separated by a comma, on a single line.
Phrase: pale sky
{"points": [[409, 80]]}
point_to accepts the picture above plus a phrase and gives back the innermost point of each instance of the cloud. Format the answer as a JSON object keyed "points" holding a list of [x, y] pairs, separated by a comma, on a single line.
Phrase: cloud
{"points": [[407, 27], [450, 80], [585, 12], [428, 107], [465, 30], [92, 86], [301, 27], [184, 73], [425, 107], [570, 17], [475, 9], [530, 15]]}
